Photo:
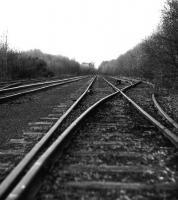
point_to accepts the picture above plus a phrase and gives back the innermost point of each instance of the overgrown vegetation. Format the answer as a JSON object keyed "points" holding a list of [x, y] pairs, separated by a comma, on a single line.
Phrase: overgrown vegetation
{"points": [[155, 58]]}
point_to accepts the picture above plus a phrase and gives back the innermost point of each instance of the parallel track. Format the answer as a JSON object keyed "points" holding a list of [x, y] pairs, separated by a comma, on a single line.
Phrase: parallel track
{"points": [[18, 170], [15, 92], [108, 117], [16, 173], [116, 155]]}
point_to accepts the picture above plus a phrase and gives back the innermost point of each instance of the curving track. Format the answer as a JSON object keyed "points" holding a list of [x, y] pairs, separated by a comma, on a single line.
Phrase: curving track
{"points": [[116, 153], [145, 96], [95, 93]]}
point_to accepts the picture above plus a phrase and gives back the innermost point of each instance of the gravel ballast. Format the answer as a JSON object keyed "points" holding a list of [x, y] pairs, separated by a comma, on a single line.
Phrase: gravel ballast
{"points": [[26, 120], [15, 115]]}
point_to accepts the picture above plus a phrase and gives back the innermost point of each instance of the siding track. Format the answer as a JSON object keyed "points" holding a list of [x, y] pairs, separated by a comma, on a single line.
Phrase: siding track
{"points": [[115, 154], [144, 95], [15, 92]]}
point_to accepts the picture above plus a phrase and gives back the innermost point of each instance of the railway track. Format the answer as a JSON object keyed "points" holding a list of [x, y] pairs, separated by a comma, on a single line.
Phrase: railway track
{"points": [[15, 92], [144, 95], [163, 113], [9, 84], [4, 85], [115, 154], [95, 93]]}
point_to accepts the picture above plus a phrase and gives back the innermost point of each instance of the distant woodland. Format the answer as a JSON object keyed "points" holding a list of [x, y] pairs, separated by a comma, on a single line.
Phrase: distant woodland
{"points": [[156, 57], [35, 64]]}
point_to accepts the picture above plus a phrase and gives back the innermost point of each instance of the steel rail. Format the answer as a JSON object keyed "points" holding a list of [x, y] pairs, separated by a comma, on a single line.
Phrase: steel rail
{"points": [[158, 107], [10, 85], [14, 175], [14, 84], [164, 114], [19, 191], [35, 84], [165, 131], [19, 94], [161, 111]]}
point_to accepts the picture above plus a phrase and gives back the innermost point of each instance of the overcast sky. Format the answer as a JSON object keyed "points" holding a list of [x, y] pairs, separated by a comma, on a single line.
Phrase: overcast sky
{"points": [[87, 30]]}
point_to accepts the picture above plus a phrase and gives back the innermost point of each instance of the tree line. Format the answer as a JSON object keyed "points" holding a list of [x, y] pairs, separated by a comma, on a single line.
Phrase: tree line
{"points": [[59, 64], [34, 63], [156, 57]]}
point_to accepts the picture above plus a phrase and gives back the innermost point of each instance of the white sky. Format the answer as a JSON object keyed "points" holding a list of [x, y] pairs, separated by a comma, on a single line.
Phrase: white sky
{"points": [[87, 30]]}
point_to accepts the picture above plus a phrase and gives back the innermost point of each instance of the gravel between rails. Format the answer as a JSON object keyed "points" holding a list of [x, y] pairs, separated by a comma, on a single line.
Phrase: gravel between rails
{"points": [[36, 130], [32, 114], [99, 90], [117, 154]]}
